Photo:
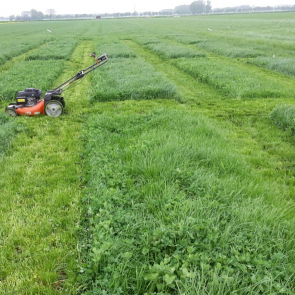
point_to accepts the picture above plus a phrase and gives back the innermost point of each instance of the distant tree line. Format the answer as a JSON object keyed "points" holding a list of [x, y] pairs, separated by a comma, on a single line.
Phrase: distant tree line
{"points": [[196, 7], [33, 15], [248, 8]]}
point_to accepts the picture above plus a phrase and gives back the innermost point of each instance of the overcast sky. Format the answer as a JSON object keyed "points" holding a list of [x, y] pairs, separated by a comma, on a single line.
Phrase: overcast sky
{"points": [[10, 7]]}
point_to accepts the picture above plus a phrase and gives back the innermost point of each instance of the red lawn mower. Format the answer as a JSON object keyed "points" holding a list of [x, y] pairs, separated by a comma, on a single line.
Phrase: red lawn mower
{"points": [[29, 102]]}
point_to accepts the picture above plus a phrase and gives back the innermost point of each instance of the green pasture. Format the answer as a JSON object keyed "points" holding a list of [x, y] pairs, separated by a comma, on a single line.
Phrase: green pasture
{"points": [[172, 168]]}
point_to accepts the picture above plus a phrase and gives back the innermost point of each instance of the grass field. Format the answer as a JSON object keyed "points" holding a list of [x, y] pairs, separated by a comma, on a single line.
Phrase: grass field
{"points": [[172, 169]]}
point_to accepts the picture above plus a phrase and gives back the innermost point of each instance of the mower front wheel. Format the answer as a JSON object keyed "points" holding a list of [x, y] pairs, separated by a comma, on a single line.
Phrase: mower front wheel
{"points": [[10, 112], [53, 108]]}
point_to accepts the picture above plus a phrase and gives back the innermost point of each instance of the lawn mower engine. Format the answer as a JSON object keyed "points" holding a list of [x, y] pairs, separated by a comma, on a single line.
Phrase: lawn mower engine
{"points": [[29, 102], [29, 97]]}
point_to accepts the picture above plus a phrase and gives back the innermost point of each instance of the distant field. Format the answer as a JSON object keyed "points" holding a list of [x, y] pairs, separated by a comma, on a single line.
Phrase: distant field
{"points": [[172, 170]]}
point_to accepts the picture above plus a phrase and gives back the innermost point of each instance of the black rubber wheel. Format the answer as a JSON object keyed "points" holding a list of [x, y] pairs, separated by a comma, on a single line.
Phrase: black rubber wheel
{"points": [[53, 108], [63, 102], [11, 112]]}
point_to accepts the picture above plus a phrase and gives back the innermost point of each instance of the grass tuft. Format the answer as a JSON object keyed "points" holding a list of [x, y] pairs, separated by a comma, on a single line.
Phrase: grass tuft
{"points": [[284, 117], [59, 49], [8, 129]]}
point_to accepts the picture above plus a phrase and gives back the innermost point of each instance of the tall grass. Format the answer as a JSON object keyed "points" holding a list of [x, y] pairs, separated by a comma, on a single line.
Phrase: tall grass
{"points": [[12, 47], [25, 74], [174, 50], [230, 48], [115, 49], [8, 129], [284, 65], [20, 38], [284, 117], [172, 210], [234, 80], [59, 49], [122, 79]]}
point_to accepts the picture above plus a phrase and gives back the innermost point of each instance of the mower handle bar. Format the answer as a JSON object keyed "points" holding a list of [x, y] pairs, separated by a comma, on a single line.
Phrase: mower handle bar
{"points": [[99, 61]]}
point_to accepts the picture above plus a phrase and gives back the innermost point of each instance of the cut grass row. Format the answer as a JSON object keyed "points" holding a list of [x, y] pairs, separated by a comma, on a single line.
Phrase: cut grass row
{"points": [[168, 214]]}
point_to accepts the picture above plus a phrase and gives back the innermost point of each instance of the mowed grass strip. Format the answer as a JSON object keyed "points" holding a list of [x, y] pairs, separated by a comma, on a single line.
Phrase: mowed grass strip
{"points": [[40, 192], [171, 209], [130, 78]]}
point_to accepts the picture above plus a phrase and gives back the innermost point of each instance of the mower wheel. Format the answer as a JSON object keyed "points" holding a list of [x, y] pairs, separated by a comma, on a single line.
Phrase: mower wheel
{"points": [[53, 108], [62, 102], [11, 112]]}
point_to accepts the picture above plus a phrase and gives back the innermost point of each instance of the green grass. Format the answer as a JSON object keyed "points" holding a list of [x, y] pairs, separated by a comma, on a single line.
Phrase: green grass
{"points": [[284, 117], [195, 197], [19, 38], [41, 187], [231, 49], [233, 80], [168, 214], [115, 50], [174, 50], [126, 78], [8, 130], [284, 65], [59, 49], [29, 74]]}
